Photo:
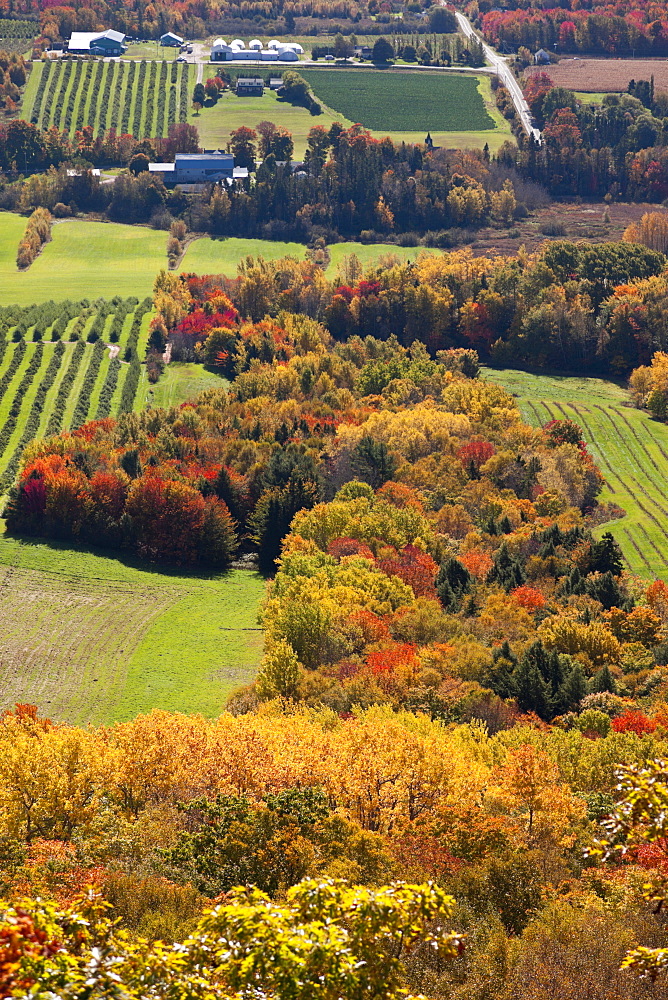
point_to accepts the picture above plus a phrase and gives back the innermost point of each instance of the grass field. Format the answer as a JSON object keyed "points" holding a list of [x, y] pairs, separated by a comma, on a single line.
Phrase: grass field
{"points": [[181, 381], [230, 112], [630, 449], [92, 638], [369, 253], [141, 98], [403, 102], [221, 256], [83, 260]]}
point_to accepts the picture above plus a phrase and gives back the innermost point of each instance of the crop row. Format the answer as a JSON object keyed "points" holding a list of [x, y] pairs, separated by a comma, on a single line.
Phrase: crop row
{"points": [[12, 368], [140, 98], [31, 425], [10, 423], [83, 402], [10, 28], [74, 382]]}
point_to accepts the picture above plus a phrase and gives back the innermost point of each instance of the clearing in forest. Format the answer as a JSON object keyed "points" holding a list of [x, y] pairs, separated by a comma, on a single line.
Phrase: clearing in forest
{"points": [[630, 448]]}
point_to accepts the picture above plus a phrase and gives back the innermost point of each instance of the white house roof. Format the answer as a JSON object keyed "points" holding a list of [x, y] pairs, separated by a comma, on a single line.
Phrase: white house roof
{"points": [[171, 34], [82, 40]]}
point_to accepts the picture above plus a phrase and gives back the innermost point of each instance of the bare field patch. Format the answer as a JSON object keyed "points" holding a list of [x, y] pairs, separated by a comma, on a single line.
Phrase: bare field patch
{"points": [[610, 76]]}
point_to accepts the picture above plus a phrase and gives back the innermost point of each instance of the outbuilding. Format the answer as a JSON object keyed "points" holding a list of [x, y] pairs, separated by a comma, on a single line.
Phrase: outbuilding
{"points": [[97, 43], [171, 40], [195, 168]]}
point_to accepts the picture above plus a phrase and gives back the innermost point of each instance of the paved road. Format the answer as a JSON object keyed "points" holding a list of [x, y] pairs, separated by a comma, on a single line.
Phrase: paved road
{"points": [[505, 75]]}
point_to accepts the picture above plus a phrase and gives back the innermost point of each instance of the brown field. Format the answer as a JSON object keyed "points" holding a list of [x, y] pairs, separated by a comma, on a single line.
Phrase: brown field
{"points": [[600, 76], [575, 221]]}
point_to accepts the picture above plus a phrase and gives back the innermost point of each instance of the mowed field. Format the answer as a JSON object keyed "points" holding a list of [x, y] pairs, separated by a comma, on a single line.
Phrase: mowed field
{"points": [[90, 638], [605, 75], [629, 447], [139, 98], [439, 95]]}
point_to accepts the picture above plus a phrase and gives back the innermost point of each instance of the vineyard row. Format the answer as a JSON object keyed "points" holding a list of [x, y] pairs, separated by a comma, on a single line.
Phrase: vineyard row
{"points": [[140, 98]]}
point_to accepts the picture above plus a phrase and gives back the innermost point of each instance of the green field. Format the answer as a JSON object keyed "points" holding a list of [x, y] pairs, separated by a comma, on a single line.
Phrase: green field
{"points": [[403, 101], [369, 253], [182, 381], [83, 260], [216, 121], [629, 447], [221, 256], [92, 638], [140, 98]]}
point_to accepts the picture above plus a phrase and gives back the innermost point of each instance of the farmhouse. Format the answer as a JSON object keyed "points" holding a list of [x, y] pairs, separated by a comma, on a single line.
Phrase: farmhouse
{"points": [[171, 40], [195, 168], [251, 87], [97, 43]]}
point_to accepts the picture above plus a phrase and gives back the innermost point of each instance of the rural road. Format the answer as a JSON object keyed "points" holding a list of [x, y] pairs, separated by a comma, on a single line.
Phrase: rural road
{"points": [[505, 75]]}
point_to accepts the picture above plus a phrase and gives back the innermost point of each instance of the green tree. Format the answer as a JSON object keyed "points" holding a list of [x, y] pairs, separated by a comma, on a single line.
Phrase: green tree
{"points": [[383, 51]]}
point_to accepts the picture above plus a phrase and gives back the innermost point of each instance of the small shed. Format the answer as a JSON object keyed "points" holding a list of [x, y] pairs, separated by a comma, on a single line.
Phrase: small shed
{"points": [[250, 86], [171, 40], [275, 82], [542, 58]]}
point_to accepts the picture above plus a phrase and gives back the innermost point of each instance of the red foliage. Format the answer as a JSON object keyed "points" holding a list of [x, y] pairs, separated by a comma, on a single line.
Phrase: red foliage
{"points": [[401, 654], [529, 598], [400, 495], [633, 721], [414, 567], [341, 547], [477, 452]]}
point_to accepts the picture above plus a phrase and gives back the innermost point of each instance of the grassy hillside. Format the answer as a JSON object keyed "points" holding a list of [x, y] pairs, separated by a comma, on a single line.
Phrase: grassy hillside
{"points": [[630, 448], [83, 260], [92, 638], [221, 256]]}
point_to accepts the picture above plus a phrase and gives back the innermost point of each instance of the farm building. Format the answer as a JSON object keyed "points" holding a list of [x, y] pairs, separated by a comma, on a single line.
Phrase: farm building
{"points": [[251, 87], [275, 82], [171, 40], [97, 43], [195, 168], [542, 57], [237, 51]]}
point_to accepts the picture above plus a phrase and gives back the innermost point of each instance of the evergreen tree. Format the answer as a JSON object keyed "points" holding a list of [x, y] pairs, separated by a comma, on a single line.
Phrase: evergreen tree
{"points": [[452, 582], [506, 570], [603, 681]]}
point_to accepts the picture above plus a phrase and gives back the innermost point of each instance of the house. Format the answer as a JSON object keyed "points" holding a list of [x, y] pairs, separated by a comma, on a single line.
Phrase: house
{"points": [[275, 82], [171, 40], [195, 168], [97, 43], [363, 51], [250, 87], [542, 57]]}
